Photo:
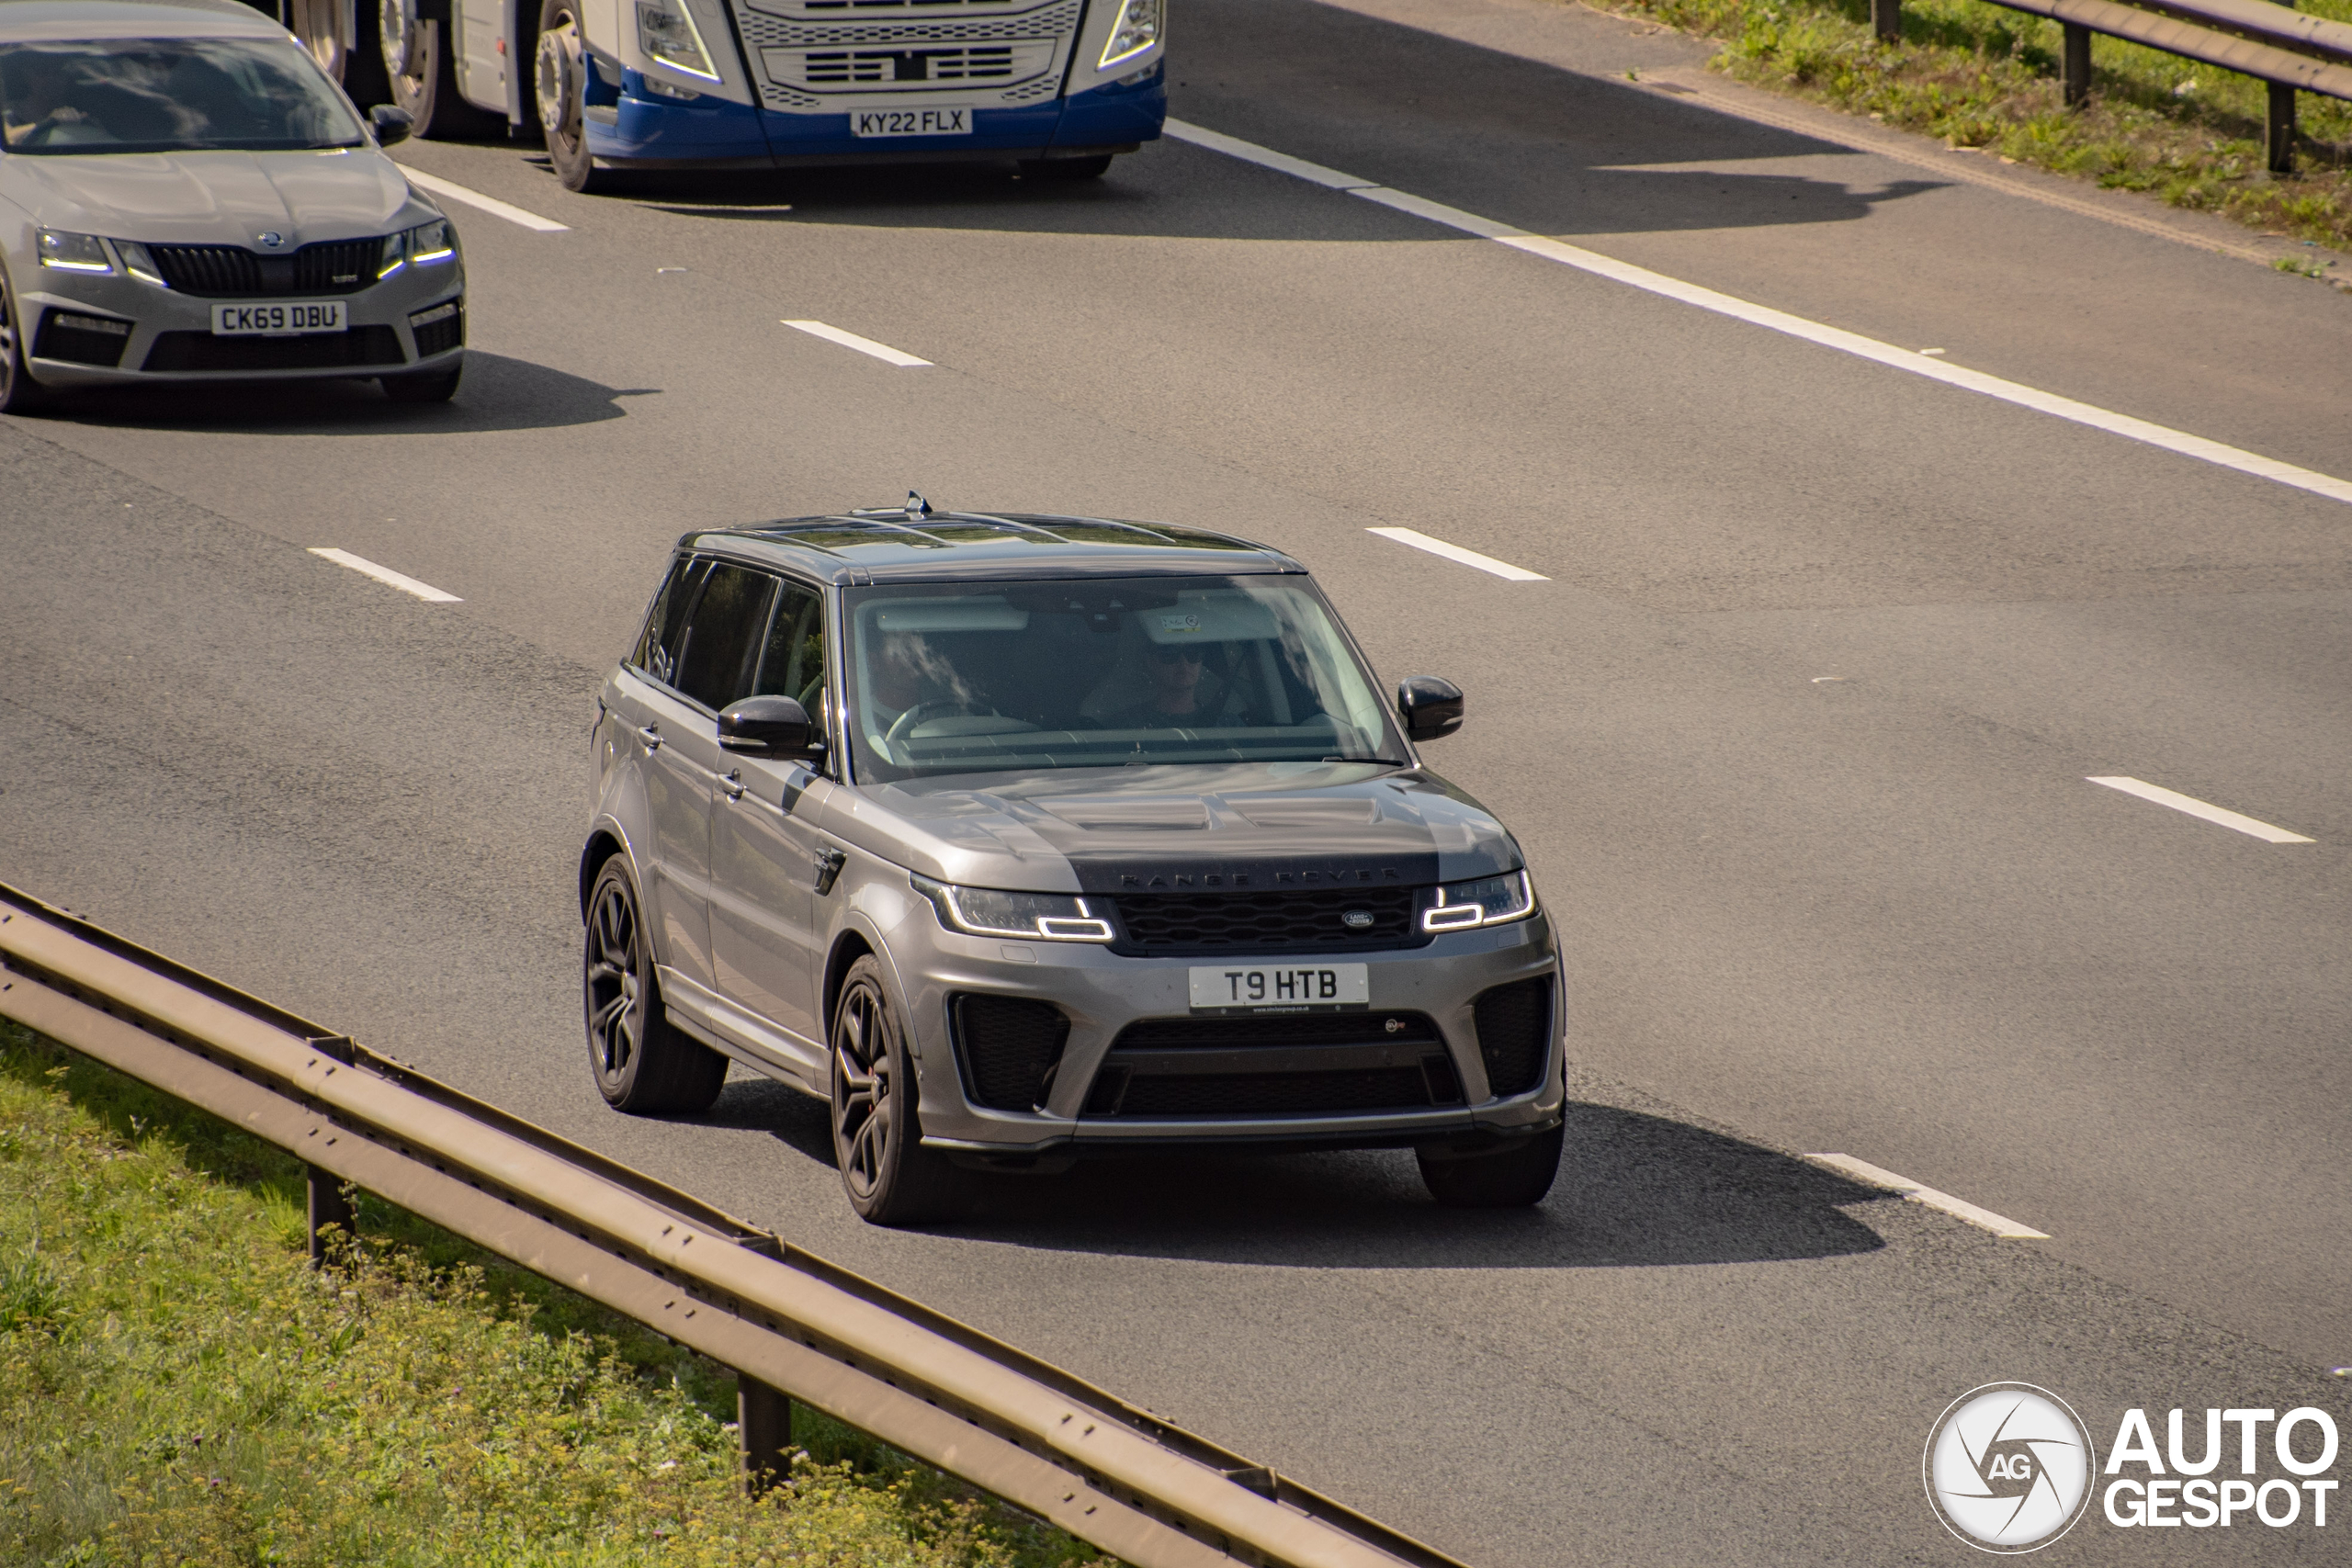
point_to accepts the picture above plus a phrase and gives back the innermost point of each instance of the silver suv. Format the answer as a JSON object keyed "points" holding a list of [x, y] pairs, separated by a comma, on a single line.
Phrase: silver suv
{"points": [[1020, 839]]}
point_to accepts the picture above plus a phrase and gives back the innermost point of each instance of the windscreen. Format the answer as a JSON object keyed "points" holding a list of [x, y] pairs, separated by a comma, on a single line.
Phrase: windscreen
{"points": [[1091, 674], [168, 95]]}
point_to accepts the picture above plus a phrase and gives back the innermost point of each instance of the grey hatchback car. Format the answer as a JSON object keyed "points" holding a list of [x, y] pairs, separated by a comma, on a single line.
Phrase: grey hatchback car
{"points": [[1022, 839]]}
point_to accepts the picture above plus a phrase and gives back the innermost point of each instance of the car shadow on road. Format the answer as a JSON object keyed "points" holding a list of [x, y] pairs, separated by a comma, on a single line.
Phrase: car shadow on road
{"points": [[1636, 1191], [498, 393]]}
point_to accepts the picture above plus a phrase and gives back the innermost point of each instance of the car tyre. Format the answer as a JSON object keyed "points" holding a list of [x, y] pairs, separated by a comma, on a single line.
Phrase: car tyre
{"points": [[559, 78], [643, 1063], [424, 385], [421, 69], [890, 1177], [19, 393], [1515, 1176], [1093, 168]]}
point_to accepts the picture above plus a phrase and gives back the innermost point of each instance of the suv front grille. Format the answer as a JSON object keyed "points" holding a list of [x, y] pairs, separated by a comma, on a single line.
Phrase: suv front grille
{"points": [[231, 272], [1515, 1035], [1231, 924], [1281, 1065], [1010, 1046]]}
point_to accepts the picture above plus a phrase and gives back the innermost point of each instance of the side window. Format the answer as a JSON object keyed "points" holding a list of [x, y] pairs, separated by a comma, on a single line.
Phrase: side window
{"points": [[794, 663], [724, 634], [665, 623]]}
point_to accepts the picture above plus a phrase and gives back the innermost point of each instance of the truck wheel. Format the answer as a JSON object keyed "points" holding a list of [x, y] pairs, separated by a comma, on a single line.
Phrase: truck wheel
{"points": [[19, 393], [347, 51], [643, 1063], [559, 77], [890, 1177], [1515, 1176], [1093, 168], [421, 64]]}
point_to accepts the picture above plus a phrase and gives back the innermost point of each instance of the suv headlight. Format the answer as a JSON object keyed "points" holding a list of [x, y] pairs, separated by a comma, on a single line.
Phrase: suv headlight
{"points": [[1137, 31], [666, 33], [982, 911], [1492, 902], [74, 253]]}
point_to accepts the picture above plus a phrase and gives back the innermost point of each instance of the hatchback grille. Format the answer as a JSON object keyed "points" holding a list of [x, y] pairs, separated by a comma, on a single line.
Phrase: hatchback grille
{"points": [[315, 351], [1515, 1035], [1284, 1065], [1275, 921], [229, 272], [1010, 1046]]}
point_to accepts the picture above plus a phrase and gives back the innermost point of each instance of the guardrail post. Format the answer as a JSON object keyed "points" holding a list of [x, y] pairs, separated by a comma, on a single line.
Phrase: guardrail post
{"points": [[330, 1205], [2076, 75], [1887, 17], [2281, 128], [764, 1425]]}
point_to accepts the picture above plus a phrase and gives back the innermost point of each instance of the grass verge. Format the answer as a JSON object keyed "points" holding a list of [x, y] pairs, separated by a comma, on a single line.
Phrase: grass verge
{"points": [[178, 1387], [1977, 75]]}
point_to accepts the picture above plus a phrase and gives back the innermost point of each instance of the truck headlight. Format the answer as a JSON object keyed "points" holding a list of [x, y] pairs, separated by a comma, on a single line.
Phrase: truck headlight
{"points": [[666, 33], [983, 911], [74, 253], [1137, 31], [1492, 902]]}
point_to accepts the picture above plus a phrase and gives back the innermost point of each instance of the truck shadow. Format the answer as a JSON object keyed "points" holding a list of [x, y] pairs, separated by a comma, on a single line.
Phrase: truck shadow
{"points": [[1636, 1191]]}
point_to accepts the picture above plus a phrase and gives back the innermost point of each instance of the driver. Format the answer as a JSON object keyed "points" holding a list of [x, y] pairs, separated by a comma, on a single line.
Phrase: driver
{"points": [[1179, 699], [908, 672]]}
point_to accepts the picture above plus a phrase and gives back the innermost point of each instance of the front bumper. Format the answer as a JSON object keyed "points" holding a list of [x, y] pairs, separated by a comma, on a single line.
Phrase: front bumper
{"points": [[1101, 993], [165, 336]]}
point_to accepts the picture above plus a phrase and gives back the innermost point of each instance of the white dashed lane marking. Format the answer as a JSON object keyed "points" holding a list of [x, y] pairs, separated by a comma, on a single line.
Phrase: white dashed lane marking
{"points": [[489, 204], [1915, 363], [1870, 1175], [2199, 809], [1421, 541], [386, 575], [881, 351]]}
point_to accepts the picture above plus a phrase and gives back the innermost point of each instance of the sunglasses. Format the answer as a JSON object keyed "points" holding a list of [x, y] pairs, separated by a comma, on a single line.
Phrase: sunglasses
{"points": [[1165, 655]]}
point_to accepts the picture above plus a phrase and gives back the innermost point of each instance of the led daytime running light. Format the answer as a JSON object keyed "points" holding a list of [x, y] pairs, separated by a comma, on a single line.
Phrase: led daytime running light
{"points": [[666, 33], [63, 251], [1136, 31], [981, 912], [1489, 901]]}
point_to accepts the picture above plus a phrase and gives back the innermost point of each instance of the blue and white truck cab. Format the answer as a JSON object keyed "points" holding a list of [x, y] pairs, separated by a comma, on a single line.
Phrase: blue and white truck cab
{"points": [[1059, 86]]}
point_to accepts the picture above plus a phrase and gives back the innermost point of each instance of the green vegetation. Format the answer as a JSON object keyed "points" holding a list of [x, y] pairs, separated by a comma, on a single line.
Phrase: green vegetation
{"points": [[177, 1387], [1977, 75]]}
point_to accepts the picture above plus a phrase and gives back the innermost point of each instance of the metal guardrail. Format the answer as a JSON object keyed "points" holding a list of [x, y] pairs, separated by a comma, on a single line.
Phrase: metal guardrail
{"points": [[790, 1324], [2274, 43]]}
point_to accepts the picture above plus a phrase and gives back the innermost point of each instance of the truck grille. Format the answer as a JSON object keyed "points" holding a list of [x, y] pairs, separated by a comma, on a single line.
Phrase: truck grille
{"points": [[231, 272], [1515, 1035], [807, 49], [1232, 924], [1010, 1046], [1314, 1064]]}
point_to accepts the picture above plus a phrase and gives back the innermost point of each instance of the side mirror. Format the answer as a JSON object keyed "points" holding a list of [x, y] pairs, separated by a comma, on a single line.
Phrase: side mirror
{"points": [[392, 123], [1430, 708], [768, 727]]}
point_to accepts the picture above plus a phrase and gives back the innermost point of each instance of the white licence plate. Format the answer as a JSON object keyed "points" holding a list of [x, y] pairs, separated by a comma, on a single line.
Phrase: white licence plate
{"points": [[283, 318], [911, 122], [1280, 988]]}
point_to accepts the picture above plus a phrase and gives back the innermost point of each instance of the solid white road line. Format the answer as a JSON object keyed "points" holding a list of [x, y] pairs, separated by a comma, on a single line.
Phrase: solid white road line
{"points": [[1419, 541], [2196, 808], [1872, 1175], [385, 574], [881, 351], [489, 204], [1915, 364]]}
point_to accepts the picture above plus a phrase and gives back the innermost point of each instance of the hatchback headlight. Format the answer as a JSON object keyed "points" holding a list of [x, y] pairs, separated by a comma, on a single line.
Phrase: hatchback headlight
{"points": [[1137, 31], [666, 33], [1491, 901], [427, 244], [982, 911], [138, 262], [74, 253]]}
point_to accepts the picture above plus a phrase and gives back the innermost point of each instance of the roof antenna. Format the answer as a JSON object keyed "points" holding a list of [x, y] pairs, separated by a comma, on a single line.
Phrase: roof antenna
{"points": [[916, 505]]}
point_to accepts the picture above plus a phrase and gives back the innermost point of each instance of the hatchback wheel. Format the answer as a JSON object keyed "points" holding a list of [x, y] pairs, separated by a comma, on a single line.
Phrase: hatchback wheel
{"points": [[643, 1064], [19, 393], [1514, 1176], [877, 1140]]}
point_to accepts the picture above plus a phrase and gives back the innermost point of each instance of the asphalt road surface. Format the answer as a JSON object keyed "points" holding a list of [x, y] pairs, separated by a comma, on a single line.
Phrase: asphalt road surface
{"points": [[1796, 727]]}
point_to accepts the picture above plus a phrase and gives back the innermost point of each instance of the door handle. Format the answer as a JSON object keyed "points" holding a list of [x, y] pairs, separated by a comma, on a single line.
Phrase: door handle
{"points": [[651, 735], [733, 785]]}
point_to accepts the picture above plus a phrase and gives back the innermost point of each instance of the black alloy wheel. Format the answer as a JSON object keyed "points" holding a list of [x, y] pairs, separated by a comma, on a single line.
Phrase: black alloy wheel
{"points": [[642, 1063], [1514, 1176], [559, 84], [420, 65], [19, 393], [877, 1141]]}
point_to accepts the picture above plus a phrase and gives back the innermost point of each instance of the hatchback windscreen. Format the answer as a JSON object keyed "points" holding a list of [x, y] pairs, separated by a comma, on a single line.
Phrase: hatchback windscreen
{"points": [[168, 95], [983, 678]]}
